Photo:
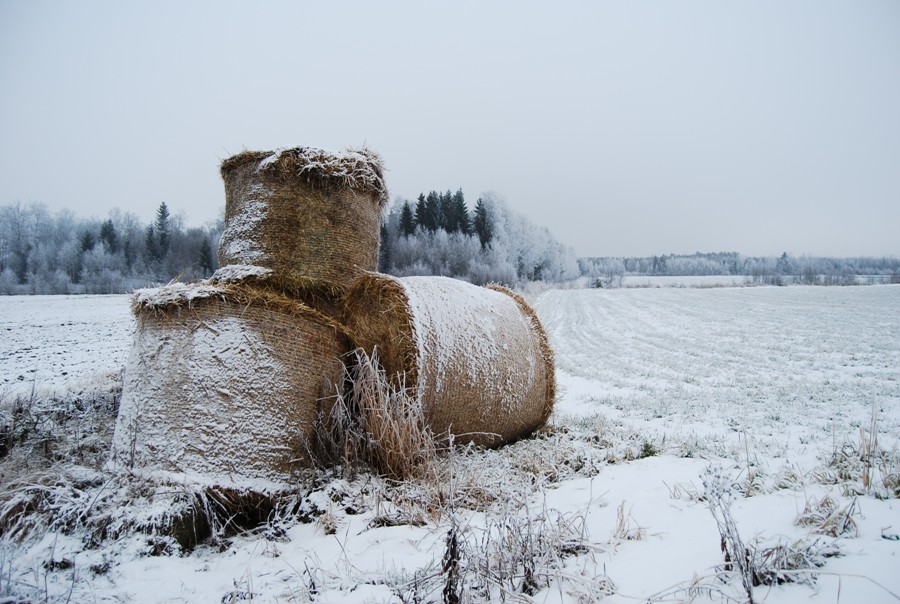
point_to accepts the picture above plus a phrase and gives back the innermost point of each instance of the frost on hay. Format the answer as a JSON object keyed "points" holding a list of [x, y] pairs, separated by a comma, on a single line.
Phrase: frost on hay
{"points": [[304, 211], [477, 357], [223, 384], [323, 296]]}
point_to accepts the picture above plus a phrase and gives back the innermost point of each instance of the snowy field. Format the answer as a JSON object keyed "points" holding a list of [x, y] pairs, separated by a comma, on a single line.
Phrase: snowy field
{"points": [[776, 408], [53, 342]]}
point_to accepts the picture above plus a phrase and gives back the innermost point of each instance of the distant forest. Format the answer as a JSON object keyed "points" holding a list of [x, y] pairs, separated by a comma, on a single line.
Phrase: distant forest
{"points": [[761, 270], [437, 234], [44, 253]]}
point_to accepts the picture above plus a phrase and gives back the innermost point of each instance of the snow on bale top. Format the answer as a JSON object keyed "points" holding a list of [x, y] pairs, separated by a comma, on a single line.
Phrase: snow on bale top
{"points": [[249, 285], [360, 169], [304, 211], [477, 357]]}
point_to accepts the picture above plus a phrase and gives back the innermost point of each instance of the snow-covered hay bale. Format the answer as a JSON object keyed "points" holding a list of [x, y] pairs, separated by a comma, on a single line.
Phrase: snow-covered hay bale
{"points": [[478, 357], [304, 211], [325, 297], [223, 385]]}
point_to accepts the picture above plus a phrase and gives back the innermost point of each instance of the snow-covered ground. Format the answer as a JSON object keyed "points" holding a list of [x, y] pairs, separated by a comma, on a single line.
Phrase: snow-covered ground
{"points": [[52, 342], [757, 402]]}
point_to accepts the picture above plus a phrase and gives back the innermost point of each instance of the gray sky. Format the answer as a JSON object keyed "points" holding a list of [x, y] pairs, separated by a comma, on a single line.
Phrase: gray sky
{"points": [[627, 128]]}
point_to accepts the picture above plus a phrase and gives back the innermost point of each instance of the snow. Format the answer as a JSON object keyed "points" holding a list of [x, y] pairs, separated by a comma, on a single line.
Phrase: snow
{"points": [[59, 342], [453, 319], [200, 406], [767, 385], [235, 273], [174, 293], [240, 240]]}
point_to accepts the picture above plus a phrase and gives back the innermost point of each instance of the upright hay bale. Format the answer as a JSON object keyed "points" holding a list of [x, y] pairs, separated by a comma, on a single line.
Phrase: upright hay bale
{"points": [[223, 384], [478, 357], [304, 212]]}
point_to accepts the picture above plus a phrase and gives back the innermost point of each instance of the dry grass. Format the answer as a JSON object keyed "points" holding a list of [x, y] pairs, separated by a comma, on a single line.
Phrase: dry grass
{"points": [[825, 517], [375, 424]]}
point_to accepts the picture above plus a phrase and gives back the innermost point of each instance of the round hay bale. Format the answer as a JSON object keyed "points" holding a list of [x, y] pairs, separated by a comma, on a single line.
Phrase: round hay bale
{"points": [[304, 212], [223, 385], [478, 357], [323, 296]]}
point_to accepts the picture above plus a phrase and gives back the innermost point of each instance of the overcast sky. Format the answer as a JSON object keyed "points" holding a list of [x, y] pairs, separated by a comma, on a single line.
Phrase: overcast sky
{"points": [[627, 128]]}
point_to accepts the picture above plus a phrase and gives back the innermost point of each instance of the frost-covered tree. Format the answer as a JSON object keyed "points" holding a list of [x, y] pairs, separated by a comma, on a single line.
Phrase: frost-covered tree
{"points": [[60, 253], [520, 251]]}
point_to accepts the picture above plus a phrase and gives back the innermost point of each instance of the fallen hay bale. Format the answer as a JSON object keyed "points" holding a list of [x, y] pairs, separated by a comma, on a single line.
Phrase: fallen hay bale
{"points": [[223, 385], [478, 357], [304, 211]]}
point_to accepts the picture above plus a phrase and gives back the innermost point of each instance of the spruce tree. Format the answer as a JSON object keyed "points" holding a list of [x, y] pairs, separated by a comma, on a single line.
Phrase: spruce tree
{"points": [[109, 237], [151, 245], [432, 211], [461, 214], [445, 218], [482, 224], [162, 225], [421, 212], [407, 220]]}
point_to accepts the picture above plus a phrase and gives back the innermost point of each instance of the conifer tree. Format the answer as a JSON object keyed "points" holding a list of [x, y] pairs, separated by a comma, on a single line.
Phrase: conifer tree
{"points": [[162, 229], [482, 224], [421, 212], [461, 220], [407, 220], [109, 238]]}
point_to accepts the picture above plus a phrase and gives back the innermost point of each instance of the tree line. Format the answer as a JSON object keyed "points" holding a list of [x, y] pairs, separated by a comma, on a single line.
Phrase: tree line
{"points": [[46, 253], [438, 235], [764, 270]]}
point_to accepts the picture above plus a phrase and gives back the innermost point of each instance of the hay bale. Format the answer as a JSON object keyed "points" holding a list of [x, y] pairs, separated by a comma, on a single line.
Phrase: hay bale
{"points": [[478, 357], [304, 212], [323, 296], [223, 384]]}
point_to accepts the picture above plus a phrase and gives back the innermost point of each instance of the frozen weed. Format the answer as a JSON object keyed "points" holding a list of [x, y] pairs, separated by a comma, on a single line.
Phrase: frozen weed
{"points": [[685, 492], [373, 425], [515, 552], [627, 528], [789, 477], [757, 563], [862, 469], [825, 517]]}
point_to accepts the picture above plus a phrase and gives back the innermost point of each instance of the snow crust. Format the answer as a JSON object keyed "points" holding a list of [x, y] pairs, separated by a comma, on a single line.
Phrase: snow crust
{"points": [[235, 273], [174, 293]]}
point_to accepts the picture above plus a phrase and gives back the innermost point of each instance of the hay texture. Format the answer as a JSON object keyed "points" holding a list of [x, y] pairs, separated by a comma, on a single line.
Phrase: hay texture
{"points": [[304, 212], [478, 357], [323, 296], [223, 384]]}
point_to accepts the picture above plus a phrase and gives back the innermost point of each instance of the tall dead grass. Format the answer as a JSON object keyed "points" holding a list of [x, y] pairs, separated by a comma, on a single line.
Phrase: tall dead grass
{"points": [[375, 424]]}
